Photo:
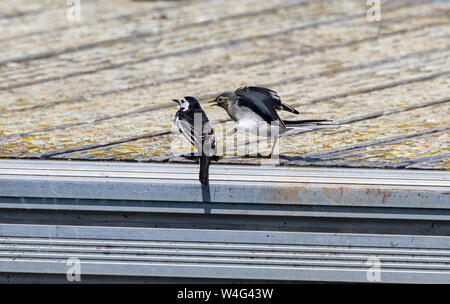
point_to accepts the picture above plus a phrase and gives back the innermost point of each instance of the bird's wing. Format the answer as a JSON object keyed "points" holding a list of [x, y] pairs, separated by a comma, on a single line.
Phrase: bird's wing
{"points": [[198, 138], [270, 97], [209, 140], [262, 101]]}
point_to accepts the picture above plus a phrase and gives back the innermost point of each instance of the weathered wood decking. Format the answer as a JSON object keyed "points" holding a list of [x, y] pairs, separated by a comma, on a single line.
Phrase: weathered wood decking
{"points": [[102, 88]]}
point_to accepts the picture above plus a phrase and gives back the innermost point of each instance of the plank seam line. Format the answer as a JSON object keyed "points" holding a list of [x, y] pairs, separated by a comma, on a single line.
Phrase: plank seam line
{"points": [[425, 159], [399, 141], [389, 140]]}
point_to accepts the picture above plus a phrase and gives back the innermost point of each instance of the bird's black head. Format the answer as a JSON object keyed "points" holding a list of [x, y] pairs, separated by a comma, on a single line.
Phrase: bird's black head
{"points": [[188, 102], [223, 100]]}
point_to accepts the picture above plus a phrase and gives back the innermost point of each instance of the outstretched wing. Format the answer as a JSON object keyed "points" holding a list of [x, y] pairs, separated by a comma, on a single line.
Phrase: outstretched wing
{"points": [[262, 101], [269, 96]]}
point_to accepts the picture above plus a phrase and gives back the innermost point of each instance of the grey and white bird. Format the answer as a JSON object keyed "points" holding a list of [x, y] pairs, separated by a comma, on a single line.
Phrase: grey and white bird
{"points": [[193, 123], [254, 109]]}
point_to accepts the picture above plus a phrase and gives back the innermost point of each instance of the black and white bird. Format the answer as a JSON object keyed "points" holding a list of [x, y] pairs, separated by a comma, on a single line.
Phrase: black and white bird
{"points": [[193, 123], [254, 109]]}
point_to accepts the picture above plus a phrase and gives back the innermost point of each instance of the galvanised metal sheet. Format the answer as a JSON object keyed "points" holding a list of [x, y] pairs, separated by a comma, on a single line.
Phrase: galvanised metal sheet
{"points": [[223, 254], [252, 223], [229, 184]]}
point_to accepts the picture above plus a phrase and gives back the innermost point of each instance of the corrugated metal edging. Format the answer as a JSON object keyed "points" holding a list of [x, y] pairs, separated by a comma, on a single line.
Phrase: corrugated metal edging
{"points": [[223, 254], [252, 223]]}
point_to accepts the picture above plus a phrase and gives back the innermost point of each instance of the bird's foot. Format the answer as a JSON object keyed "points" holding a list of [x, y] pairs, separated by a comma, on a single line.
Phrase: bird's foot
{"points": [[265, 156], [258, 155], [190, 156], [232, 132], [216, 157]]}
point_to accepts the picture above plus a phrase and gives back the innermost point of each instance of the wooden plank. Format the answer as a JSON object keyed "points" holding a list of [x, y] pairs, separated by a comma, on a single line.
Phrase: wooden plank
{"points": [[341, 64], [52, 26], [359, 106], [92, 73], [151, 24], [64, 114], [290, 146]]}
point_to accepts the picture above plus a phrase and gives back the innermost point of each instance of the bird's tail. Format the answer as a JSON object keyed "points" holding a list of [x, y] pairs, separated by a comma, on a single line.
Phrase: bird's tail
{"points": [[310, 124], [204, 169]]}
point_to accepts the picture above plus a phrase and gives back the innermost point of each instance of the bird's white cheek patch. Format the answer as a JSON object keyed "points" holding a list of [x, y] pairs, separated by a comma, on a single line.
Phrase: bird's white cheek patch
{"points": [[184, 106]]}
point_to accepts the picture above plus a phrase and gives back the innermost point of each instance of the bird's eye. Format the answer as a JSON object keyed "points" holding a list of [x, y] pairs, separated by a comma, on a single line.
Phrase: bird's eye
{"points": [[220, 99]]}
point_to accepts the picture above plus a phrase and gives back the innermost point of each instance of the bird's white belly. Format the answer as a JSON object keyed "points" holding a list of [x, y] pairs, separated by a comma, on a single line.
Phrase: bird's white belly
{"points": [[249, 121], [259, 127]]}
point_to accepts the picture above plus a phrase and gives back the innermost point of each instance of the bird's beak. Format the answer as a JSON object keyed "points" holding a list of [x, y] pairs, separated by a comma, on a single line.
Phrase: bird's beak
{"points": [[176, 100], [212, 102]]}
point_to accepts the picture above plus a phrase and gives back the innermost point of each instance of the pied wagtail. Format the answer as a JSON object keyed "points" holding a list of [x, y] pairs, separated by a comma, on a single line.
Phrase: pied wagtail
{"points": [[193, 123], [254, 110]]}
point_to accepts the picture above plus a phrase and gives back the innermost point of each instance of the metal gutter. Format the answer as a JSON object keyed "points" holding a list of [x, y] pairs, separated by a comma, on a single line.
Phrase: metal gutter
{"points": [[229, 184]]}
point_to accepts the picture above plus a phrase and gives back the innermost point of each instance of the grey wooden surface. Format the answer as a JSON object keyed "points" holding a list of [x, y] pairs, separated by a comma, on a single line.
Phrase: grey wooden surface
{"points": [[101, 89]]}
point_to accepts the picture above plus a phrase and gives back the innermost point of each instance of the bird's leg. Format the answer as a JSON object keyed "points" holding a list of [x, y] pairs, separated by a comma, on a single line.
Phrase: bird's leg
{"points": [[232, 132], [273, 147], [259, 155]]}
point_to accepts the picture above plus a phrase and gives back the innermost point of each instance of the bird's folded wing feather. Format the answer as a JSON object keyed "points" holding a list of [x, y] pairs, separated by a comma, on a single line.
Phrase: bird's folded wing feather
{"points": [[209, 140], [197, 137]]}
